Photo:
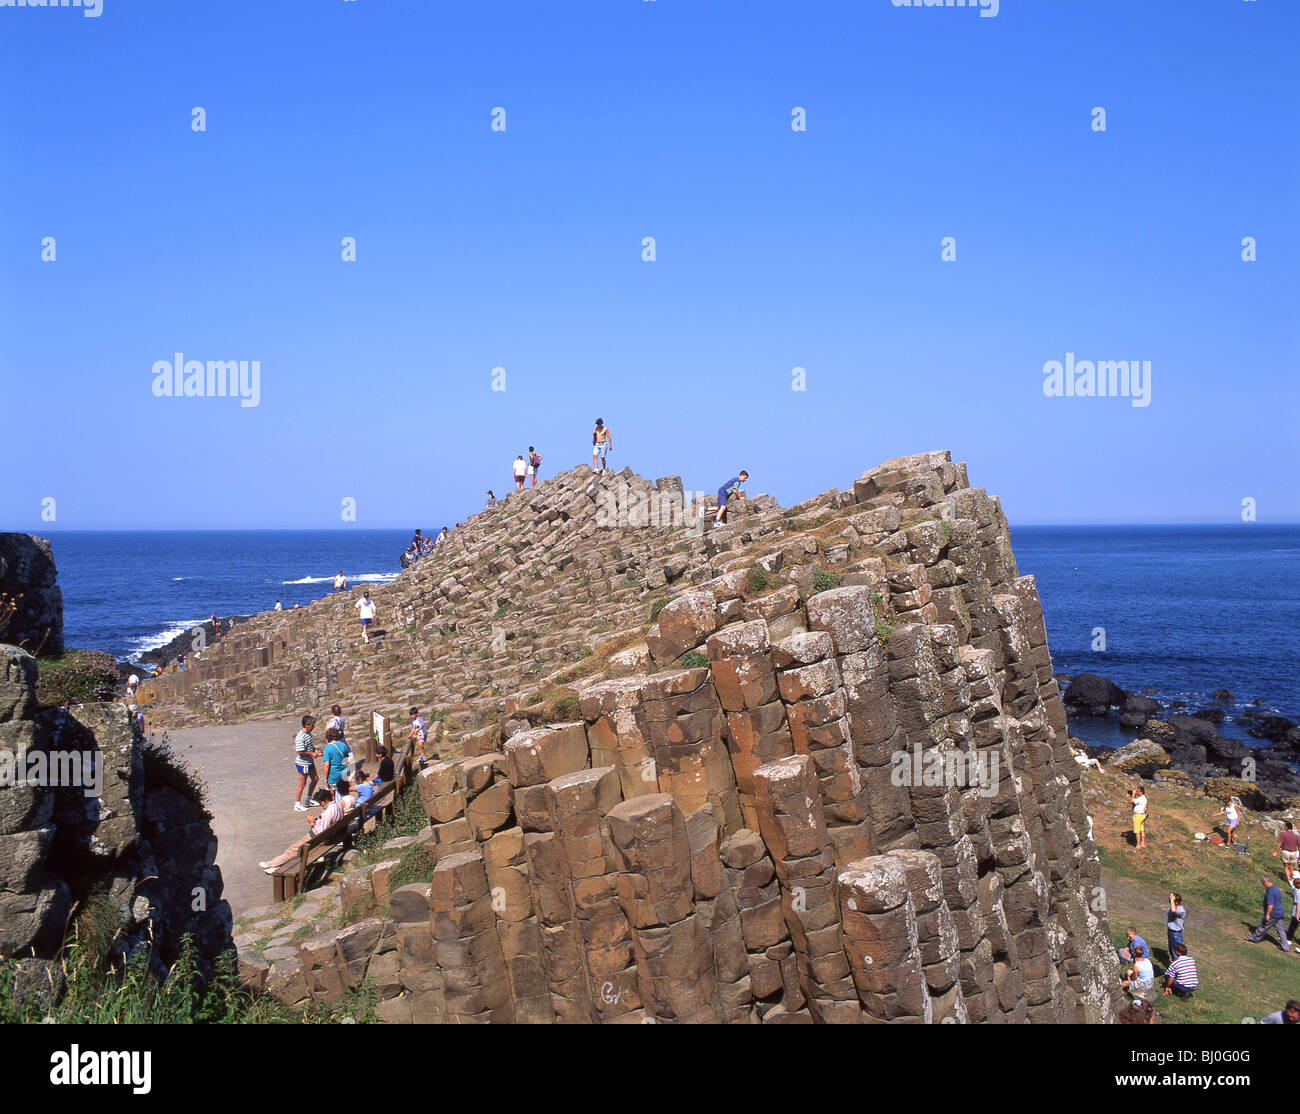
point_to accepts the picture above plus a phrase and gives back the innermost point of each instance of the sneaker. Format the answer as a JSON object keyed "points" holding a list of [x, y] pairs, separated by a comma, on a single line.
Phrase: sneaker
{"points": [[265, 865], [298, 806]]}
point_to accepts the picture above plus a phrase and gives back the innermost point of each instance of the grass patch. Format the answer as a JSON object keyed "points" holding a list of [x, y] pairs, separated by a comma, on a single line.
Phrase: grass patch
{"points": [[756, 582], [657, 606], [1220, 890], [561, 705], [694, 660], [824, 581], [76, 677]]}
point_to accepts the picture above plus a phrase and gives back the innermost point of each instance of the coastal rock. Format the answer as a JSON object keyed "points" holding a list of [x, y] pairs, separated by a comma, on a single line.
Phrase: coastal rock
{"points": [[27, 577], [1225, 788], [1091, 695], [1141, 758], [1273, 728], [1136, 710], [1190, 731]]}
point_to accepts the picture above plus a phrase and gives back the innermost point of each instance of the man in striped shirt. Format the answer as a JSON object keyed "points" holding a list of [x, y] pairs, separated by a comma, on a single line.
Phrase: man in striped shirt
{"points": [[1180, 976]]}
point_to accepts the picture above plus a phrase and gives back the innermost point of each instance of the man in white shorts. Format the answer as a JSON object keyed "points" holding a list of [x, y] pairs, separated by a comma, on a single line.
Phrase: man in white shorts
{"points": [[366, 606]]}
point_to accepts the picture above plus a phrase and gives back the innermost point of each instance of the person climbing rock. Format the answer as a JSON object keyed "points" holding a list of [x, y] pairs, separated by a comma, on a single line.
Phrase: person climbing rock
{"points": [[734, 488], [534, 463]]}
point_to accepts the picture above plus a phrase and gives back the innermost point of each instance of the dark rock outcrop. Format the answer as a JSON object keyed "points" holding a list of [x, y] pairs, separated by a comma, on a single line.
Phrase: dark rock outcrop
{"points": [[1091, 695], [27, 576]]}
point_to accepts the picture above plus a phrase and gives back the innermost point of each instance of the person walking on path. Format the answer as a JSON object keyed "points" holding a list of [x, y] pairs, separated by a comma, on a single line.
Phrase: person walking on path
{"points": [[366, 606], [1288, 846], [534, 463], [1272, 919], [1295, 912], [1139, 799], [304, 756], [1180, 976], [340, 582], [1231, 817], [734, 488], [602, 444], [520, 469], [132, 683], [1175, 919]]}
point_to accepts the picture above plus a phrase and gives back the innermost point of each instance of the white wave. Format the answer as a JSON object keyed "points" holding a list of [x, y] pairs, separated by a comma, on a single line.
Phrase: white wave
{"points": [[362, 578], [175, 578], [157, 641]]}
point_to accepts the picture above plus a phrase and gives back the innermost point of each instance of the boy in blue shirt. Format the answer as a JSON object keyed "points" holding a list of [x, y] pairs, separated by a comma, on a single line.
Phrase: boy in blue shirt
{"points": [[733, 488]]}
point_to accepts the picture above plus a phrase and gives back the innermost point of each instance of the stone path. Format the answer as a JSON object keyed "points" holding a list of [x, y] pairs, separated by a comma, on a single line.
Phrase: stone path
{"points": [[249, 772]]}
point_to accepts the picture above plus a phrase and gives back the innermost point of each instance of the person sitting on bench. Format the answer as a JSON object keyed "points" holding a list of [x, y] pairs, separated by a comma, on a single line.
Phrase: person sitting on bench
{"points": [[332, 814]]}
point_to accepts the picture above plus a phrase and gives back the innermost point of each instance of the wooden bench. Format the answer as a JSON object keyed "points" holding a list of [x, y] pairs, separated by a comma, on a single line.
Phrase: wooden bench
{"points": [[289, 880]]}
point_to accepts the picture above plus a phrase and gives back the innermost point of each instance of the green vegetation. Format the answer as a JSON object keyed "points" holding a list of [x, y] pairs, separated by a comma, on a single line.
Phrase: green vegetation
{"points": [[407, 820], [824, 581], [756, 582], [132, 994], [75, 677], [561, 705], [1220, 890], [415, 864], [694, 660], [884, 628], [658, 605]]}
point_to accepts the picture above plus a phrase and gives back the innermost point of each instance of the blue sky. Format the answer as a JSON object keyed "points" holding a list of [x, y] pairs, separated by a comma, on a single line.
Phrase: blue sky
{"points": [[521, 249]]}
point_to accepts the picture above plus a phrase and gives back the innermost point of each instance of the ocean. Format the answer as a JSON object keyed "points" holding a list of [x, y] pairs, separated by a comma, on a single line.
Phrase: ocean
{"points": [[132, 591], [1185, 610]]}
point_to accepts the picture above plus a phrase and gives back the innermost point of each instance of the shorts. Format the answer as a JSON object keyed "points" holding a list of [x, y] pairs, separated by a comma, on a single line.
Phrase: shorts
{"points": [[1139, 821], [601, 449], [306, 766], [1231, 824], [365, 622], [1291, 857]]}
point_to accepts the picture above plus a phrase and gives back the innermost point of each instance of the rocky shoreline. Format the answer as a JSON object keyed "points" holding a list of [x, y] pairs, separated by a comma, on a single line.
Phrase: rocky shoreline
{"points": [[162, 656], [1178, 745]]}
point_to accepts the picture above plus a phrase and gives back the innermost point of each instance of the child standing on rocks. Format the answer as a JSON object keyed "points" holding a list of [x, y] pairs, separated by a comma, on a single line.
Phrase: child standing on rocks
{"points": [[418, 732]]}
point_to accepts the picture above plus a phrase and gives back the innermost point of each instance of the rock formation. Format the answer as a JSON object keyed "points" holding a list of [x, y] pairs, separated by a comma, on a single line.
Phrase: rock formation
{"points": [[27, 576], [90, 812], [815, 769]]}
